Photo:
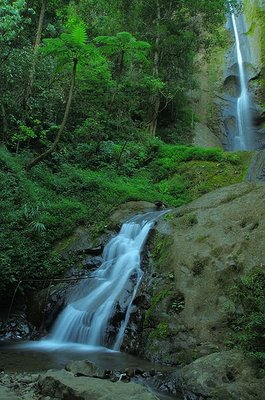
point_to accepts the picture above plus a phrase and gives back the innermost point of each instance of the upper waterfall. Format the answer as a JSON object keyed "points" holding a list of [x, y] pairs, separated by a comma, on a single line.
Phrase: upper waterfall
{"points": [[243, 139]]}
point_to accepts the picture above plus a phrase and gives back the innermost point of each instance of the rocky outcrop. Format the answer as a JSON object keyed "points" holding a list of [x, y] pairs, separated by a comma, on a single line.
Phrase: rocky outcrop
{"points": [[198, 252], [223, 376]]}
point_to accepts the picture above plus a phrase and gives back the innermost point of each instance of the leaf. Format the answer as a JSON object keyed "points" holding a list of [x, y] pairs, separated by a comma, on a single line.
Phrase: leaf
{"points": [[78, 35]]}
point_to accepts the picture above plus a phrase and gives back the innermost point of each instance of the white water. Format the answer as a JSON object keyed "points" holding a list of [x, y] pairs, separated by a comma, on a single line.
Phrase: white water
{"points": [[86, 318], [242, 140]]}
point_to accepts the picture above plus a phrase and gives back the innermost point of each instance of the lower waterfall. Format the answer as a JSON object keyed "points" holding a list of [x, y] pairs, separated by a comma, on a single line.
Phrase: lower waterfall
{"points": [[111, 288]]}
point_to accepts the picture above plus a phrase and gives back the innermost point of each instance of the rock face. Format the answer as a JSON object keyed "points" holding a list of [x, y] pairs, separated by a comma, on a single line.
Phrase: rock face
{"points": [[198, 252], [215, 102], [209, 132], [64, 385], [231, 85]]}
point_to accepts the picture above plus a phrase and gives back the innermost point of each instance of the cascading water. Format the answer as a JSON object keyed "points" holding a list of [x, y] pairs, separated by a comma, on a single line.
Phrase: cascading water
{"points": [[243, 138], [112, 287]]}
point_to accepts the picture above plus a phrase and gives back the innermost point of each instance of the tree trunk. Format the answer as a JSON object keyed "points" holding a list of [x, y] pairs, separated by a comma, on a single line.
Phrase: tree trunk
{"points": [[4, 122], [35, 52], [155, 101], [66, 114]]}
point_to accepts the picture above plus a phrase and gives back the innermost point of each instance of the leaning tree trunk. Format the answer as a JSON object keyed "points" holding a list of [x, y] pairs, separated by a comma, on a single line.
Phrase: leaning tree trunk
{"points": [[155, 100], [65, 117], [35, 52]]}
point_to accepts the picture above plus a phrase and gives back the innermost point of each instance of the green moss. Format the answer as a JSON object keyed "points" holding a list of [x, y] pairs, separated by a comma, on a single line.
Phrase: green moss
{"points": [[160, 251], [160, 332], [156, 299]]}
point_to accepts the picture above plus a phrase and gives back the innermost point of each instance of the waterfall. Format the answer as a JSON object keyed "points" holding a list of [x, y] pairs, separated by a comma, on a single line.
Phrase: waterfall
{"points": [[111, 288], [243, 138]]}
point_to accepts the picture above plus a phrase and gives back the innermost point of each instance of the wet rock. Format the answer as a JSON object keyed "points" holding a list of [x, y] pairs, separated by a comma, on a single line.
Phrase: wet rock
{"points": [[81, 242], [16, 327], [130, 372], [44, 306], [92, 263], [127, 210], [87, 368], [62, 385]]}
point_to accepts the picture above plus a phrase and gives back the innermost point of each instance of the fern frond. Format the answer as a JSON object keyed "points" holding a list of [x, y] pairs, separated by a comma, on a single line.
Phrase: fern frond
{"points": [[141, 45], [125, 37], [78, 34]]}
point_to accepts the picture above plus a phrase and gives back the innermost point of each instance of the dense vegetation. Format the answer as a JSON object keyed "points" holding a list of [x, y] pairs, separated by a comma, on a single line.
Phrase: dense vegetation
{"points": [[91, 92], [96, 110], [39, 210]]}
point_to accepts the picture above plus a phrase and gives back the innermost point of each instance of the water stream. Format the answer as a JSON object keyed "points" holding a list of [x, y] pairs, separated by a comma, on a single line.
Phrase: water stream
{"points": [[243, 137], [86, 318]]}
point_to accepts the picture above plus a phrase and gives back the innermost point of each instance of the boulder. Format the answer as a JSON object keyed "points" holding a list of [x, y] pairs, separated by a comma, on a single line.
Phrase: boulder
{"points": [[86, 368], [64, 385], [223, 376]]}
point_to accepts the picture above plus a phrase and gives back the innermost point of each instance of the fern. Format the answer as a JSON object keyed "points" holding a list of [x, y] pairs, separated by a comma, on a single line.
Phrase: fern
{"points": [[78, 34], [125, 37]]}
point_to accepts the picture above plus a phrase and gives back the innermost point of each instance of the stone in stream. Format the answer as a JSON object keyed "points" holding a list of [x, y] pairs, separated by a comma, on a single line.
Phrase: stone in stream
{"points": [[64, 385], [87, 368]]}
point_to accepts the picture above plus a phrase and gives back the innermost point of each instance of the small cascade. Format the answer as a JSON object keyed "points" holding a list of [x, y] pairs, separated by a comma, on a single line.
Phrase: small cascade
{"points": [[110, 291], [243, 138]]}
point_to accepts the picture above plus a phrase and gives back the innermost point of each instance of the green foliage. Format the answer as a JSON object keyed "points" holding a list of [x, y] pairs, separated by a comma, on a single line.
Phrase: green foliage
{"points": [[249, 326], [123, 42], [71, 43], [11, 20], [46, 206], [127, 57]]}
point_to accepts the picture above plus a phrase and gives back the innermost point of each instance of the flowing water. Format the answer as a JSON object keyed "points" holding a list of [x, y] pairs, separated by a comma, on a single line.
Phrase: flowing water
{"points": [[86, 318], [81, 331], [243, 137]]}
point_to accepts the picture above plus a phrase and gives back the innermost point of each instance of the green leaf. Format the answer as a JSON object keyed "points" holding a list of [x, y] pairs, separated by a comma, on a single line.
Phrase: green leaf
{"points": [[79, 35]]}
